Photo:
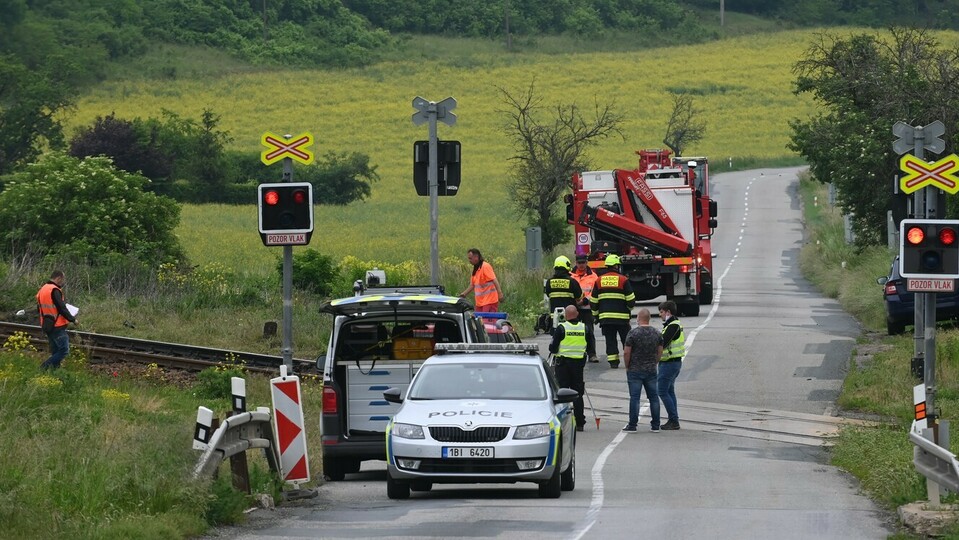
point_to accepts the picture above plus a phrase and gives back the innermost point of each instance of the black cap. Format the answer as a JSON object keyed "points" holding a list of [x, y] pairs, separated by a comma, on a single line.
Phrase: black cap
{"points": [[581, 258]]}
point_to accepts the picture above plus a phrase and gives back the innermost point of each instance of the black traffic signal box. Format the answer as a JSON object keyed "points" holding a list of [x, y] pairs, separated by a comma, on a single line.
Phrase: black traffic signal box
{"points": [[929, 248], [448, 167], [285, 213]]}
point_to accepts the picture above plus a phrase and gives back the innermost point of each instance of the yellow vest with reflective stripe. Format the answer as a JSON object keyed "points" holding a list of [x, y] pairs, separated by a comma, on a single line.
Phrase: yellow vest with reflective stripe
{"points": [[677, 347], [574, 344]]}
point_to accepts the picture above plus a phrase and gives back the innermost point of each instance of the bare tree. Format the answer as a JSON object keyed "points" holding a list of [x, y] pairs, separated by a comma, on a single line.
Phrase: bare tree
{"points": [[684, 128], [550, 148]]}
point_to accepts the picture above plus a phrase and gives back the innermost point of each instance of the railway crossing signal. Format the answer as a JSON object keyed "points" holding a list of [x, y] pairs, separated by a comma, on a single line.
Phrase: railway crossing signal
{"points": [[929, 248], [285, 213], [295, 148]]}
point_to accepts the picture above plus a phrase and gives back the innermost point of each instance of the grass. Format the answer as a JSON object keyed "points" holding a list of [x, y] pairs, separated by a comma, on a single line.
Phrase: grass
{"points": [[109, 456]]}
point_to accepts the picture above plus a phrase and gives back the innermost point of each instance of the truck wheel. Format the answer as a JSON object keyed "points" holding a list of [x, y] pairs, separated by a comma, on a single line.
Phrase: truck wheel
{"points": [[334, 470], [691, 309], [706, 295], [396, 489]]}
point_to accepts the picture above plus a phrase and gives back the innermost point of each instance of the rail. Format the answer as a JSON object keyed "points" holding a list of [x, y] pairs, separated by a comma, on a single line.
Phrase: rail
{"points": [[108, 348]]}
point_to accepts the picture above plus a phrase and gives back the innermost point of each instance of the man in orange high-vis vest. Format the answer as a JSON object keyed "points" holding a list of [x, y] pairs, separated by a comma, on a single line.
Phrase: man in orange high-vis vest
{"points": [[483, 283], [586, 277], [54, 318]]}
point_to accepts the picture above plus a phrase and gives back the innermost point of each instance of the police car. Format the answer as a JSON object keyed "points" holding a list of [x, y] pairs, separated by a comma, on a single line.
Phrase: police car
{"points": [[479, 413]]}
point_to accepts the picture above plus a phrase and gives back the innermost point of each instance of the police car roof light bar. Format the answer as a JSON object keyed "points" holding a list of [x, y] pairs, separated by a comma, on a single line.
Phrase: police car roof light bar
{"points": [[520, 348]]}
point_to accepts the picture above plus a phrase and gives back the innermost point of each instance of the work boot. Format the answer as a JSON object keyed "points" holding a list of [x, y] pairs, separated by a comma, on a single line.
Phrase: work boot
{"points": [[580, 427], [614, 365]]}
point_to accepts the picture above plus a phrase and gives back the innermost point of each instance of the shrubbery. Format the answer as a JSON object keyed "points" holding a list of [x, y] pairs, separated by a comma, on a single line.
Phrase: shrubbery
{"points": [[87, 208]]}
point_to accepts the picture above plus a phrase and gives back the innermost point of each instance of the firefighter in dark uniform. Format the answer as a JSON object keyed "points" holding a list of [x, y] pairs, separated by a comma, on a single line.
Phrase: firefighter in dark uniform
{"points": [[569, 350], [613, 301], [561, 289]]}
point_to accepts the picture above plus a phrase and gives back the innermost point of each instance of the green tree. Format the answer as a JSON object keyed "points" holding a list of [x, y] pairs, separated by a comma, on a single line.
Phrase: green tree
{"points": [[30, 103], [549, 148], [87, 208], [864, 85]]}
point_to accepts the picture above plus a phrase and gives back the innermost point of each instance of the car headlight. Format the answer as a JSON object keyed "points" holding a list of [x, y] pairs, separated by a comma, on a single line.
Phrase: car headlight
{"points": [[408, 431], [532, 431]]}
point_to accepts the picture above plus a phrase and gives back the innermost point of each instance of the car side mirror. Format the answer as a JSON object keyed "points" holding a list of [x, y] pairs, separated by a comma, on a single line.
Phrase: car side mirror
{"points": [[566, 395], [393, 395], [321, 363], [882, 280]]}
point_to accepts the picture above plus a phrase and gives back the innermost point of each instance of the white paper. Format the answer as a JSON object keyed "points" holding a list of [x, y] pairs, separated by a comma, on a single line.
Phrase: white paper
{"points": [[73, 310]]}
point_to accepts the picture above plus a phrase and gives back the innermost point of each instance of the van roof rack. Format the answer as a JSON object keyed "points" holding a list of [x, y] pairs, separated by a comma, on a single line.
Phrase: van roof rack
{"points": [[517, 348]]}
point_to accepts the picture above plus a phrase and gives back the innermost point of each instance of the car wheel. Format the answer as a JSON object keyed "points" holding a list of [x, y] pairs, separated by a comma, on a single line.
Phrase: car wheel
{"points": [[334, 470], [396, 489], [894, 329], [421, 485], [552, 488], [568, 478]]}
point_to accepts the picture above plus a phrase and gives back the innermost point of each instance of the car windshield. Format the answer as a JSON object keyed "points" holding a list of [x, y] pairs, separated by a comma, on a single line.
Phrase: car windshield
{"points": [[474, 380]]}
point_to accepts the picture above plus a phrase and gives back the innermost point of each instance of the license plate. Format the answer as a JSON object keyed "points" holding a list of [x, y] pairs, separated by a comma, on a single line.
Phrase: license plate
{"points": [[481, 452]]}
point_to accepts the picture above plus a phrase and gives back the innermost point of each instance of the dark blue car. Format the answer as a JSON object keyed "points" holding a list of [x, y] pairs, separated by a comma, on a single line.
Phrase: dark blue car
{"points": [[900, 303]]}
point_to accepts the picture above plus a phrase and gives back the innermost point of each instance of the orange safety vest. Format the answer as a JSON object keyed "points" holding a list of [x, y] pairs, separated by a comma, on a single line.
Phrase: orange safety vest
{"points": [[586, 282], [483, 286], [47, 307]]}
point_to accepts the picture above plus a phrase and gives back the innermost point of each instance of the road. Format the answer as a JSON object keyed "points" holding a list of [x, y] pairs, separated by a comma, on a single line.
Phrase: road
{"points": [[757, 394]]}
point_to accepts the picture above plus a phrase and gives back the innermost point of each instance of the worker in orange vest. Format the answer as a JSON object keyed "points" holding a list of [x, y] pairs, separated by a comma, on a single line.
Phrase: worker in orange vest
{"points": [[586, 278], [483, 283], [54, 318]]}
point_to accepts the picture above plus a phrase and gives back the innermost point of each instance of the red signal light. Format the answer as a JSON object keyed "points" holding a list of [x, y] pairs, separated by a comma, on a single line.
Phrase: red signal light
{"points": [[947, 236], [299, 196], [915, 235], [271, 197]]}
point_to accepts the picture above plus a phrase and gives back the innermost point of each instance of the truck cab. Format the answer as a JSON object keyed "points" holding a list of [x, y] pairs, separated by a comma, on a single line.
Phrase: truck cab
{"points": [[379, 340]]}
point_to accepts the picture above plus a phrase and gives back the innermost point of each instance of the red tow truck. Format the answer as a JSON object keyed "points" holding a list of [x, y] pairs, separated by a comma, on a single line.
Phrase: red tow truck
{"points": [[658, 218]]}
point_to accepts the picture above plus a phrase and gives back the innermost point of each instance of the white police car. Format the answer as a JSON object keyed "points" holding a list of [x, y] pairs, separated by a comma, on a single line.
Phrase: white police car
{"points": [[478, 413]]}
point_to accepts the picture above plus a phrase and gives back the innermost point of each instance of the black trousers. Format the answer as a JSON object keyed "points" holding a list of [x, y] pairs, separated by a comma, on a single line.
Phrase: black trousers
{"points": [[569, 374], [586, 317], [611, 332]]}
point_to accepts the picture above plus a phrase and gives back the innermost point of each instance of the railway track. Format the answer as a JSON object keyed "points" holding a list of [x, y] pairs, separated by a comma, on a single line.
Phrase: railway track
{"points": [[106, 348]]}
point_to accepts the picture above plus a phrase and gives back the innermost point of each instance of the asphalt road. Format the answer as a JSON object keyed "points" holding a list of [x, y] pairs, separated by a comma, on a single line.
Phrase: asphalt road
{"points": [[757, 392]]}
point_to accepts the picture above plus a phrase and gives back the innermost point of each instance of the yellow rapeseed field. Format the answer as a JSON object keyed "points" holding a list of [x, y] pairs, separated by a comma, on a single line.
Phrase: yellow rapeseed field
{"points": [[744, 87]]}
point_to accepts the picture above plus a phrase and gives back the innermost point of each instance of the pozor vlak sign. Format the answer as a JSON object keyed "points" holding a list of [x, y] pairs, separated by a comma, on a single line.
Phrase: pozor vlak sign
{"points": [[285, 212]]}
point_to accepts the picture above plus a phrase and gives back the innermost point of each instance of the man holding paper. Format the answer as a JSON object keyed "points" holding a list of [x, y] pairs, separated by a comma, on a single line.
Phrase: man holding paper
{"points": [[54, 318]]}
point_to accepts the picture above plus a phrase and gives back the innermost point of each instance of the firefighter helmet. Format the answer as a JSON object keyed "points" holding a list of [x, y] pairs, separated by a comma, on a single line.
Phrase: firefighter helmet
{"points": [[612, 259], [562, 262]]}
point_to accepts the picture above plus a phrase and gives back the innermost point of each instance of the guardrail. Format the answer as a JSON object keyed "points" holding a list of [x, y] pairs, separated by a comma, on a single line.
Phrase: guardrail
{"points": [[237, 434], [935, 462]]}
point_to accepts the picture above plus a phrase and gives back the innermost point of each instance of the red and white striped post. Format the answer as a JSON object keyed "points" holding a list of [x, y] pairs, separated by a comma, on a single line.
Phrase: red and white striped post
{"points": [[290, 429]]}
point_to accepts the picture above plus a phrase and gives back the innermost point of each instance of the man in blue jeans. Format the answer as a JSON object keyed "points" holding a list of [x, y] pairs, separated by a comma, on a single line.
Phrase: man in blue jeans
{"points": [[54, 318], [674, 348], [641, 352]]}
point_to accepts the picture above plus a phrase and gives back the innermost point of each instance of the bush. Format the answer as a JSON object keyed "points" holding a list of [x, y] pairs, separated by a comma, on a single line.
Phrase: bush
{"points": [[214, 383], [312, 271], [89, 207]]}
